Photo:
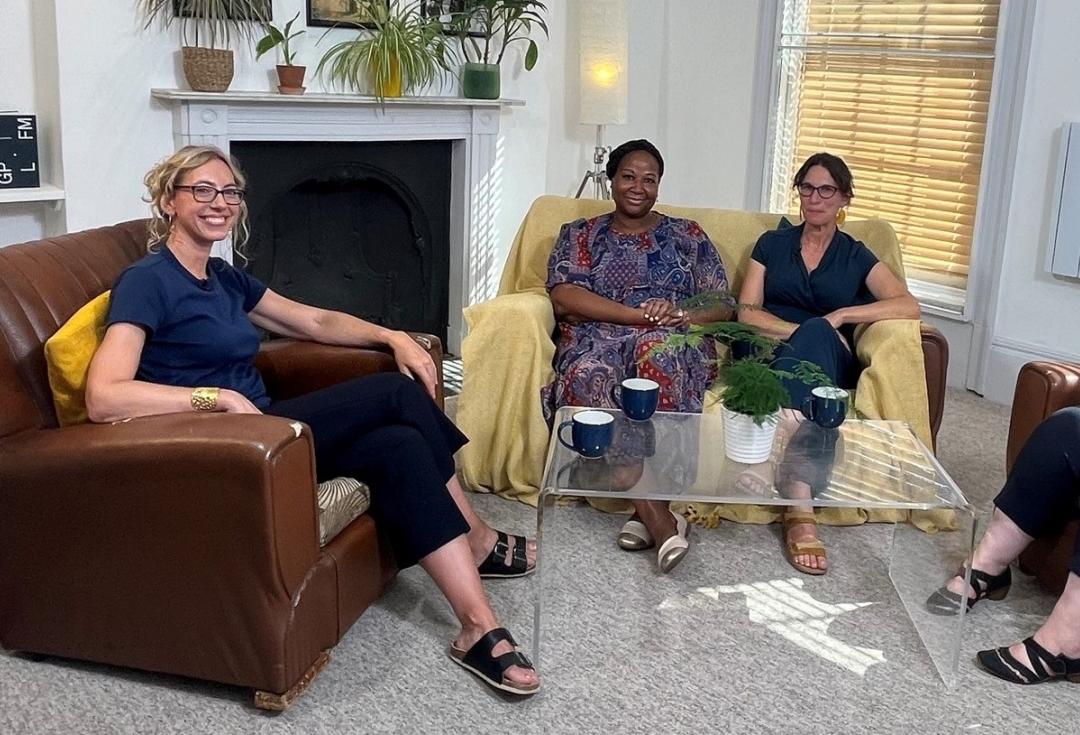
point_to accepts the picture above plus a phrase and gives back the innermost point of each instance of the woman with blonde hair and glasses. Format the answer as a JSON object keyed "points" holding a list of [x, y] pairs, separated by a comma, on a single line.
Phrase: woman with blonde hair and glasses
{"points": [[181, 336], [810, 285]]}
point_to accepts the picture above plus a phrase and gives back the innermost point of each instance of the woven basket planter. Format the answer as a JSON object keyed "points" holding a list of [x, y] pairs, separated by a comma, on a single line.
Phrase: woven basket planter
{"points": [[207, 69]]}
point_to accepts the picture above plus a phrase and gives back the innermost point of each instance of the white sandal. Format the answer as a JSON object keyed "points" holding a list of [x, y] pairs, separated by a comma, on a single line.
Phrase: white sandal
{"points": [[634, 536], [673, 550]]}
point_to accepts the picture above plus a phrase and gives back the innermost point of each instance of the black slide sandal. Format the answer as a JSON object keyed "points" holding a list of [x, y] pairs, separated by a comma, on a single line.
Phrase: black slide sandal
{"points": [[491, 669]]}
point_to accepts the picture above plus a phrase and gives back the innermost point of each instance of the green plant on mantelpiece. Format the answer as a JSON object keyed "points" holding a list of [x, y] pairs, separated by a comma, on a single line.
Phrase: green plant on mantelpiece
{"points": [[278, 37], [207, 28], [485, 29], [400, 51], [207, 23]]}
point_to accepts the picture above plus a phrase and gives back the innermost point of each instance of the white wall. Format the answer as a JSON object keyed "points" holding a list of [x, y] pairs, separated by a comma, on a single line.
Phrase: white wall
{"points": [[691, 82], [27, 84], [1038, 315]]}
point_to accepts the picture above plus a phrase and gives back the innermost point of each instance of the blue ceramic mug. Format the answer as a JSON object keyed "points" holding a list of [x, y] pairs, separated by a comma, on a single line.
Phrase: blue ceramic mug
{"points": [[637, 397], [590, 433], [826, 406]]}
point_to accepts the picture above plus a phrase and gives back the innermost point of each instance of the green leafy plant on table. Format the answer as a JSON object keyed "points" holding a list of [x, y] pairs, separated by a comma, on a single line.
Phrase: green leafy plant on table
{"points": [[751, 386]]}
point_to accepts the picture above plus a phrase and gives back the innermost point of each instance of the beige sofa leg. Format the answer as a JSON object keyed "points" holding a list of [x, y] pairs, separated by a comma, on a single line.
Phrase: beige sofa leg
{"points": [[281, 702]]}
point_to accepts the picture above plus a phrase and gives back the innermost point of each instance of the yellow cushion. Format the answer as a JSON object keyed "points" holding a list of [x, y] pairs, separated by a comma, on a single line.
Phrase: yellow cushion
{"points": [[68, 354]]}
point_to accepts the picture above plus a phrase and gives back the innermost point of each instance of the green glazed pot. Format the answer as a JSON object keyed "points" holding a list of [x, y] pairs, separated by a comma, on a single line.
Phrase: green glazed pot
{"points": [[480, 81]]}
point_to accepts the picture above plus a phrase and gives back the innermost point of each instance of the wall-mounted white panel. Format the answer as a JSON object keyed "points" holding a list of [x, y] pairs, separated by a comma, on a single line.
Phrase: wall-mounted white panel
{"points": [[1063, 254]]}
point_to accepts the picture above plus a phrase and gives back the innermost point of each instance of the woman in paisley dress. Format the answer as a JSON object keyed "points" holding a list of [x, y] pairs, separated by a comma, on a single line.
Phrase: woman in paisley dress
{"points": [[616, 282]]}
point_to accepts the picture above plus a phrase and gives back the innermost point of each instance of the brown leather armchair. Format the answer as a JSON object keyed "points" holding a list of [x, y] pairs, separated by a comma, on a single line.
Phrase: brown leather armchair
{"points": [[1041, 389], [184, 543]]}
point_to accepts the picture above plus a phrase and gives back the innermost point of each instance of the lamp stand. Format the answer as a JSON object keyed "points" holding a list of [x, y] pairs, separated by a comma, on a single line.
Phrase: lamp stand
{"points": [[597, 175]]}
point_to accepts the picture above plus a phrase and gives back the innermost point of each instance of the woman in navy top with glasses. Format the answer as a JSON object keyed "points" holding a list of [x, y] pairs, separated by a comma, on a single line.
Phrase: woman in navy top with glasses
{"points": [[181, 336], [812, 284]]}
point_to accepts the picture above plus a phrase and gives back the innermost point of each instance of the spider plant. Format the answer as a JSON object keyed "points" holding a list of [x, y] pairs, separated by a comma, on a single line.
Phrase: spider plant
{"points": [[401, 50], [207, 23]]}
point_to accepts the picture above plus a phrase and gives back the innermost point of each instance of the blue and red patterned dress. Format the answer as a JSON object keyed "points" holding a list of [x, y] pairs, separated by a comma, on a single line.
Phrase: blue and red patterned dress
{"points": [[674, 261]]}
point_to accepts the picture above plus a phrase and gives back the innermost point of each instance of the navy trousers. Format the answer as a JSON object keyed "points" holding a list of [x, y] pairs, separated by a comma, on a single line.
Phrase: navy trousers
{"points": [[385, 431], [1042, 492], [816, 341]]}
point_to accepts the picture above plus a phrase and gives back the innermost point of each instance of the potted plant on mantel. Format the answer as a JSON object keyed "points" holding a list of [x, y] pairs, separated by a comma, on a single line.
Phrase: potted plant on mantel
{"points": [[399, 51], [290, 76], [751, 388], [485, 29], [210, 26]]}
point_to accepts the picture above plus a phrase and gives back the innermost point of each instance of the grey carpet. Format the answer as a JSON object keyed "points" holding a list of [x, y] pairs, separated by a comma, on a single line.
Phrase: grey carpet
{"points": [[625, 648]]}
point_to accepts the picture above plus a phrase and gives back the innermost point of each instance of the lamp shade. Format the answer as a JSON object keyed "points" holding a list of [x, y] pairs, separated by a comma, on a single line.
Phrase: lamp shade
{"points": [[603, 25]]}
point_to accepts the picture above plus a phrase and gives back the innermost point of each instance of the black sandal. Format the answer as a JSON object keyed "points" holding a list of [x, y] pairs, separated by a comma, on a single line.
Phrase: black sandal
{"points": [[1045, 666], [945, 602], [492, 669], [495, 566]]}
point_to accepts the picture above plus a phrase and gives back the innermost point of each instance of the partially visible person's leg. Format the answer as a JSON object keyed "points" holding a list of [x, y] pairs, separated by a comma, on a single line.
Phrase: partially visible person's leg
{"points": [[1056, 644], [817, 342], [453, 570], [1039, 496], [340, 413], [413, 508], [1053, 652]]}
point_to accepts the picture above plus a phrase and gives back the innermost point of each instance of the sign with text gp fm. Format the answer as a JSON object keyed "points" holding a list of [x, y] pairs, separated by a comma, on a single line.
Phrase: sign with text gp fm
{"points": [[18, 152]]}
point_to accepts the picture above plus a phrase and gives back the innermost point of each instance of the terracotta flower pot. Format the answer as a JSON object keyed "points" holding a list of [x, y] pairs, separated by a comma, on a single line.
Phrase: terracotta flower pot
{"points": [[207, 69], [291, 79]]}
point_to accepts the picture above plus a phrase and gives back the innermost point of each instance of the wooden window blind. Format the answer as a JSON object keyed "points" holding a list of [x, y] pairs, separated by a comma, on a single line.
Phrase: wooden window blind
{"points": [[901, 91]]}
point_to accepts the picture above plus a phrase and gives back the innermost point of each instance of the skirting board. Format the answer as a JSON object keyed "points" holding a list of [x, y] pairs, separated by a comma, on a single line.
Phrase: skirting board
{"points": [[1007, 356]]}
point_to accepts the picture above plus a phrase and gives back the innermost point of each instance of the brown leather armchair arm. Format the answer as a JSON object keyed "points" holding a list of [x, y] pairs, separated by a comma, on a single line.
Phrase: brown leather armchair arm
{"points": [[1041, 389], [291, 367], [936, 360], [165, 543]]}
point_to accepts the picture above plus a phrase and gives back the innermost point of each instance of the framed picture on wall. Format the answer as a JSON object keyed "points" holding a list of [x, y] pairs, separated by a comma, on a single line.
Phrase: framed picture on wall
{"points": [[233, 10], [444, 9], [348, 13]]}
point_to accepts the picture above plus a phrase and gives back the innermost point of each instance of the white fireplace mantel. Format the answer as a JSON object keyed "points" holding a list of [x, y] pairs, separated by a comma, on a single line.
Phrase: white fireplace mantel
{"points": [[209, 118]]}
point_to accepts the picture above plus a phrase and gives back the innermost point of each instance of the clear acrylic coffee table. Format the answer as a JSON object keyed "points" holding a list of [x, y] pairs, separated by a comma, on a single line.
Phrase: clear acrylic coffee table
{"points": [[680, 457]]}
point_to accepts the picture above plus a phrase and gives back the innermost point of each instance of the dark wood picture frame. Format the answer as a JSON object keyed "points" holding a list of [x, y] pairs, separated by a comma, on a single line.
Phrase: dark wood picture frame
{"points": [[267, 11], [441, 7], [320, 13]]}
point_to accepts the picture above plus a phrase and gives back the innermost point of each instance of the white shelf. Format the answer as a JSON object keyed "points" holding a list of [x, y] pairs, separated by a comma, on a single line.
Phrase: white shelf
{"points": [[44, 193]]}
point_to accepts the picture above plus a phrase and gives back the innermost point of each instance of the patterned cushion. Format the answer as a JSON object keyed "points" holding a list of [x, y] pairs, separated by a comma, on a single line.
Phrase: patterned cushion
{"points": [[341, 501]]}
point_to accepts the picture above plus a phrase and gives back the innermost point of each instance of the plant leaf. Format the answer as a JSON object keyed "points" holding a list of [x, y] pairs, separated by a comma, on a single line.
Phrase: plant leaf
{"points": [[531, 55]]}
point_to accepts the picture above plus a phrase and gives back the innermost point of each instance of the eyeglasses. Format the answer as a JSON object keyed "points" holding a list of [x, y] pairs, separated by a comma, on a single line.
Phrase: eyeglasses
{"points": [[204, 193], [825, 191]]}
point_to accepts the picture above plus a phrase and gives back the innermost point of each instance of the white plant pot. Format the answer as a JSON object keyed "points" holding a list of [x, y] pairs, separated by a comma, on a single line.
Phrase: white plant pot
{"points": [[744, 440]]}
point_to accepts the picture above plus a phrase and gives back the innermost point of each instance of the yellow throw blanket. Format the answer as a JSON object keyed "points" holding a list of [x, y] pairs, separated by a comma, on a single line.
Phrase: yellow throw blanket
{"points": [[509, 351]]}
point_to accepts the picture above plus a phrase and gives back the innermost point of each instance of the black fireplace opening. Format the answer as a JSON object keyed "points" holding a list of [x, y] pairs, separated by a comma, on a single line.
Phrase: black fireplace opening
{"points": [[362, 228]]}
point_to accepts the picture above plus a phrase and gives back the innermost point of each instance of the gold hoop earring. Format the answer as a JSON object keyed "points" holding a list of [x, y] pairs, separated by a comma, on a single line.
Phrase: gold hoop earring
{"points": [[841, 217]]}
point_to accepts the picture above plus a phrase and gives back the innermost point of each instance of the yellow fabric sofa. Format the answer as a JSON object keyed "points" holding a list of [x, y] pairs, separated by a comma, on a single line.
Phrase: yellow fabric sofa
{"points": [[508, 355]]}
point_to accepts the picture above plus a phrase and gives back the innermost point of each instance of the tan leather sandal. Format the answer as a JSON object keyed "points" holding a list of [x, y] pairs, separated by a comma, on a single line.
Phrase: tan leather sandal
{"points": [[797, 548]]}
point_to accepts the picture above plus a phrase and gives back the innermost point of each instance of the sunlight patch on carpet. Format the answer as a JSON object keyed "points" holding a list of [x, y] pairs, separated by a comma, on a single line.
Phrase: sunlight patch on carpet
{"points": [[782, 606]]}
